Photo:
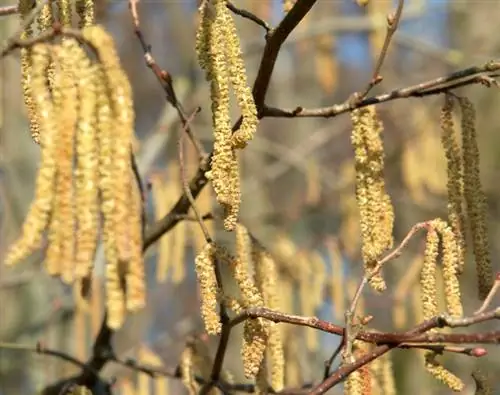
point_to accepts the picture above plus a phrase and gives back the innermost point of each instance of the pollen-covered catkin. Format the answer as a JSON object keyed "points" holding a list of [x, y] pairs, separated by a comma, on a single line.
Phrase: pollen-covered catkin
{"points": [[255, 338], [375, 207], [38, 215], [455, 184], [187, 370], [205, 272], [86, 13], [65, 101], [120, 94], [452, 294], [26, 72], [238, 76], [428, 280], [219, 54], [266, 278], [354, 384], [87, 170], [475, 198], [441, 373]]}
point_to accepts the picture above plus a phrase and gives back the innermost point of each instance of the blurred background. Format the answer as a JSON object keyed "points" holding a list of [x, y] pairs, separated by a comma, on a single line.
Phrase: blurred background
{"points": [[298, 185]]}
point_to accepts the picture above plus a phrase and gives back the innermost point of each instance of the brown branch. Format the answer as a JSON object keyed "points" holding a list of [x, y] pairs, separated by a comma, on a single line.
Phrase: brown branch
{"points": [[8, 10], [468, 76]]}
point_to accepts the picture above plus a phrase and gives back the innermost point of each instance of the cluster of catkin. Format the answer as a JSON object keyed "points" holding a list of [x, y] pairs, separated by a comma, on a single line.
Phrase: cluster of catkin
{"points": [[374, 204], [437, 229], [84, 121], [219, 55], [257, 289], [464, 185], [60, 11]]}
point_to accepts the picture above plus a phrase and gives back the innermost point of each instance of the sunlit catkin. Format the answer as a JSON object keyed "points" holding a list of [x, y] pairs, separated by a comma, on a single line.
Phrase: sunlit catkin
{"points": [[266, 278], [238, 76], [375, 207], [219, 54], [39, 211], [65, 100], [456, 215], [45, 21], [255, 338], [428, 275], [87, 169], [255, 331], [187, 370], [450, 258], [65, 10], [475, 198], [24, 7], [441, 373], [207, 281], [86, 12], [354, 384], [120, 95]]}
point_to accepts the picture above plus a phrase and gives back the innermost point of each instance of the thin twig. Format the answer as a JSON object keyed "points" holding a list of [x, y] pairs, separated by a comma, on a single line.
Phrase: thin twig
{"points": [[392, 25], [164, 78], [40, 349], [184, 180], [248, 15], [349, 314], [489, 298], [464, 77]]}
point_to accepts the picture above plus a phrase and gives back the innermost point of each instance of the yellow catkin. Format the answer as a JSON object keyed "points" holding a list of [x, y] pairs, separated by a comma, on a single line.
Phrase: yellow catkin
{"points": [[115, 297], [136, 275], [39, 211], [375, 207], [205, 272], [45, 20], [87, 170], [211, 50], [238, 76], [255, 338], [86, 13], [120, 94], [65, 12], [187, 370], [26, 72], [450, 265], [428, 275], [266, 278], [255, 331], [61, 236], [475, 198], [354, 383], [456, 215], [441, 373]]}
